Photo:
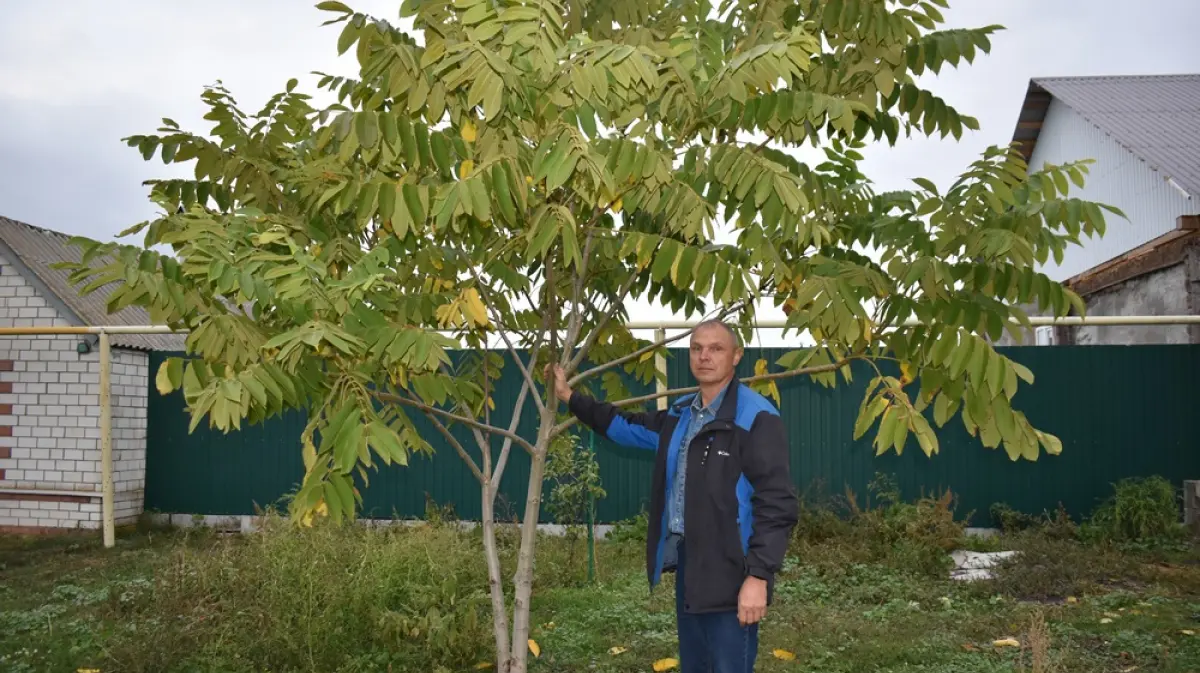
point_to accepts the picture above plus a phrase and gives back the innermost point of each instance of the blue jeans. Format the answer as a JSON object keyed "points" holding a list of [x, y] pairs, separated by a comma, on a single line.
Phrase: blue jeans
{"points": [[713, 642]]}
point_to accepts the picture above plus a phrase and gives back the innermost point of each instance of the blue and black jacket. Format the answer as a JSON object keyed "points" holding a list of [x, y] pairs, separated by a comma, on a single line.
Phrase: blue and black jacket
{"points": [[739, 506]]}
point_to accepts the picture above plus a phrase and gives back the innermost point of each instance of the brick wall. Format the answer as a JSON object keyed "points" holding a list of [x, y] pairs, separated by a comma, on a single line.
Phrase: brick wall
{"points": [[50, 420]]}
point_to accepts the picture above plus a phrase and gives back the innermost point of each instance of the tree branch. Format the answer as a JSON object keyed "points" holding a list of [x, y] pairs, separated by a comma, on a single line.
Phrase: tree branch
{"points": [[595, 333], [577, 313], [642, 351], [818, 369], [490, 429], [502, 461], [458, 447], [504, 333]]}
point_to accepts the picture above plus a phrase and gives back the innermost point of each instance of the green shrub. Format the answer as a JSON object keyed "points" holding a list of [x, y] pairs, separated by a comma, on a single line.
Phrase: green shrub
{"points": [[915, 536], [1050, 569], [1010, 520], [1056, 526], [1141, 509], [634, 529]]}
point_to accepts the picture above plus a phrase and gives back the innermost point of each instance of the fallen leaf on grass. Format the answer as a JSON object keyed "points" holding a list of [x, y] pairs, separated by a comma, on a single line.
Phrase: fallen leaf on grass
{"points": [[665, 665], [969, 647], [1072, 600], [1006, 642], [1188, 632], [483, 665], [87, 670], [533, 647], [618, 650], [784, 655], [1106, 620]]}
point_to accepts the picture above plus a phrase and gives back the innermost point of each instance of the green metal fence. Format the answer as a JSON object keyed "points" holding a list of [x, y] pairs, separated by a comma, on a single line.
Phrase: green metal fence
{"points": [[1120, 411]]}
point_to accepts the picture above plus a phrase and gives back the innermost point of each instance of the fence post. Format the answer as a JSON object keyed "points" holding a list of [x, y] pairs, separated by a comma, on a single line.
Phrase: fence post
{"points": [[591, 541], [660, 364], [1191, 506], [106, 457]]}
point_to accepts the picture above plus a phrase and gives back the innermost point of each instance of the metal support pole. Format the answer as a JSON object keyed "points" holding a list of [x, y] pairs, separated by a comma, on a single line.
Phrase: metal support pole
{"points": [[106, 459], [660, 363], [591, 540]]}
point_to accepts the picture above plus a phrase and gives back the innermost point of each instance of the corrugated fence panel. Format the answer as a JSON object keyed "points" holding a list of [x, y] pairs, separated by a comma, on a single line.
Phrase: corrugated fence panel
{"points": [[1120, 411]]}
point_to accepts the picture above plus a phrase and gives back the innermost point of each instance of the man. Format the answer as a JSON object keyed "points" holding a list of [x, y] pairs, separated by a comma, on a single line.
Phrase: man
{"points": [[722, 506]]}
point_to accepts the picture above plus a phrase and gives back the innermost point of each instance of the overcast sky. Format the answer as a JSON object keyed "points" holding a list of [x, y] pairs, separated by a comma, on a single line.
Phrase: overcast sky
{"points": [[78, 75]]}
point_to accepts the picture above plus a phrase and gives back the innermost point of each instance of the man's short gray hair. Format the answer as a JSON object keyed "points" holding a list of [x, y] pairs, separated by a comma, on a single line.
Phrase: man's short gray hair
{"points": [[737, 339]]}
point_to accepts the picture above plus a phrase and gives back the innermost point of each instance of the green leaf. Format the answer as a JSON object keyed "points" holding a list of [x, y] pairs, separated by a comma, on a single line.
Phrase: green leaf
{"points": [[995, 373], [348, 36], [885, 82], [887, 429], [867, 415], [366, 125], [926, 437], [943, 409], [1022, 371], [334, 6]]}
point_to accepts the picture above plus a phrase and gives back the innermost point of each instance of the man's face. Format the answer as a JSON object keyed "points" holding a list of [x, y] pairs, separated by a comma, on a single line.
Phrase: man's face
{"points": [[714, 354]]}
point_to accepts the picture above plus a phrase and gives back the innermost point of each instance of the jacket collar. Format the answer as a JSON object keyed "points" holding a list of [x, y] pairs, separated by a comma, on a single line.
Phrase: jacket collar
{"points": [[728, 410]]}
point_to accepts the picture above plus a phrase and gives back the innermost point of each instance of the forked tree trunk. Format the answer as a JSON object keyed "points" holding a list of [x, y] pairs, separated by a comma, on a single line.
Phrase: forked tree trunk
{"points": [[519, 655], [495, 578]]}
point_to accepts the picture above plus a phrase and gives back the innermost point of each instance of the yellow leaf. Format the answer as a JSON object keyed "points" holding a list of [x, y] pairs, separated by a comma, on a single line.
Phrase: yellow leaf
{"points": [[1072, 599], [87, 670], [1006, 642], [529, 179], [468, 132], [533, 647], [1106, 620], [618, 650], [616, 206], [483, 665], [760, 367], [646, 356], [784, 655], [1188, 632], [476, 309], [465, 168], [665, 665], [907, 371]]}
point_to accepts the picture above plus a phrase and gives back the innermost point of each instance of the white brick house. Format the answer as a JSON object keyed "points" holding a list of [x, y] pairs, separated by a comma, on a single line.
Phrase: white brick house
{"points": [[50, 392]]}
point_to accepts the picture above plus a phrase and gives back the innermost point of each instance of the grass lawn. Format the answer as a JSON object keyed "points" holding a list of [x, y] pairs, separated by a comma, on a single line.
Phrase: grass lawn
{"points": [[853, 597]]}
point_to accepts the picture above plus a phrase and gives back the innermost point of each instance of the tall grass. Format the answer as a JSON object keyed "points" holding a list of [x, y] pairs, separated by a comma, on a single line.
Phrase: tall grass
{"points": [[326, 598]]}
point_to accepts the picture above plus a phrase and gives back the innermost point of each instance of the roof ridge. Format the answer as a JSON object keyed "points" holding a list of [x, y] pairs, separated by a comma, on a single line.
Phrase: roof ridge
{"points": [[36, 228], [1079, 78]]}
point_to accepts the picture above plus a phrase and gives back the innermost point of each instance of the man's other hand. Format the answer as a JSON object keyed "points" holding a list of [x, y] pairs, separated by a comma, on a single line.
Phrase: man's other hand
{"points": [[557, 377], [752, 601]]}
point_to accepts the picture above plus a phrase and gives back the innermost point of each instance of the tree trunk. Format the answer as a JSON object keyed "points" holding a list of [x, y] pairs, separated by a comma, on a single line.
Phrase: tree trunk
{"points": [[495, 578], [524, 576]]}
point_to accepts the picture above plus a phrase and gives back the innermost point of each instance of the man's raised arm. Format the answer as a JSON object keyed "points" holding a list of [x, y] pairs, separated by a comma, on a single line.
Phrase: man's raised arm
{"points": [[635, 430]]}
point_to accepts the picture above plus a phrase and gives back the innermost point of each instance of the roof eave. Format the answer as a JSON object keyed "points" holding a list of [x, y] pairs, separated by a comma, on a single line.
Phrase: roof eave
{"points": [[1030, 119]]}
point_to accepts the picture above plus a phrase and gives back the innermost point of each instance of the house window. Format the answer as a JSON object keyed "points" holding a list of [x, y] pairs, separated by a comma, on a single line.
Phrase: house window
{"points": [[1044, 335]]}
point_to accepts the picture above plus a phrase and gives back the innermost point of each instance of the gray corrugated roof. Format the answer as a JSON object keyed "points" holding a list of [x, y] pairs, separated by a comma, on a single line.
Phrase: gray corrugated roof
{"points": [[1157, 117], [38, 249]]}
